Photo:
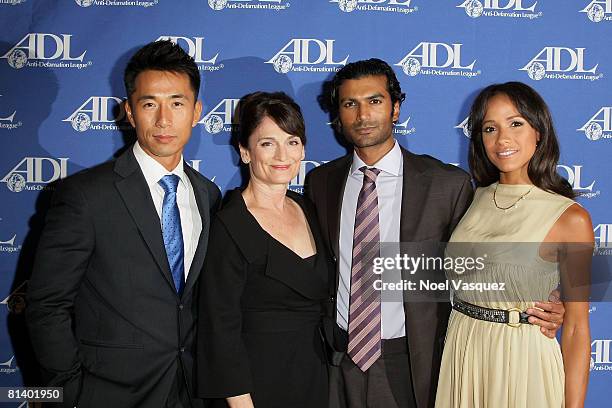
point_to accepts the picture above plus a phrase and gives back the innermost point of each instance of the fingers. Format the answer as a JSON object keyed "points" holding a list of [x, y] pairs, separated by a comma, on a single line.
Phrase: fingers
{"points": [[550, 307], [548, 333], [545, 324], [555, 296]]}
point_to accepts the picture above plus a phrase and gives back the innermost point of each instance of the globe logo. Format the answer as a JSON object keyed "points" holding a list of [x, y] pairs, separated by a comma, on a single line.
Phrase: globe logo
{"points": [[213, 124], [84, 3], [347, 5], [18, 59], [283, 64], [593, 131], [536, 71], [411, 67], [81, 122], [217, 4], [474, 9], [16, 183], [596, 13]]}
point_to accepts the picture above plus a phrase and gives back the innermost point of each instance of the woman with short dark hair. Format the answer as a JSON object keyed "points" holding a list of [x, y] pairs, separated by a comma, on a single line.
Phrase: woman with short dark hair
{"points": [[266, 272], [531, 235]]}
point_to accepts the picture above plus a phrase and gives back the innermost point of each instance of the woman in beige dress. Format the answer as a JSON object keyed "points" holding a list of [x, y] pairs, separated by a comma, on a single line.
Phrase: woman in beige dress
{"points": [[492, 356]]}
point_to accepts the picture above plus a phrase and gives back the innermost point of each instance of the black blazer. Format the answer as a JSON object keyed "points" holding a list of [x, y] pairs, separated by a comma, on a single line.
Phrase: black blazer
{"points": [[105, 320], [254, 298], [434, 198]]}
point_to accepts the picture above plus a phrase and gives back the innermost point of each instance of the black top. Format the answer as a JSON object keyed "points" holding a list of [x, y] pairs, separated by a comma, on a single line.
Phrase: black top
{"points": [[261, 306]]}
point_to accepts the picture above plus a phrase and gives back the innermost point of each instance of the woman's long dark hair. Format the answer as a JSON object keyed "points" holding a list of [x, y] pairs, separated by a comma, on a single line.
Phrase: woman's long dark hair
{"points": [[542, 168]]}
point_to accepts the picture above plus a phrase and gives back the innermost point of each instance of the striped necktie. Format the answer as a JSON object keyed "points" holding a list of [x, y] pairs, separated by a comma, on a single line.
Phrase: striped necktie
{"points": [[364, 345]]}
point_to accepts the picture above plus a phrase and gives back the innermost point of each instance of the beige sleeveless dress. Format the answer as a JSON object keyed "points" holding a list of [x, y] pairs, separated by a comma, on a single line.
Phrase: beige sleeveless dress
{"points": [[494, 365]]}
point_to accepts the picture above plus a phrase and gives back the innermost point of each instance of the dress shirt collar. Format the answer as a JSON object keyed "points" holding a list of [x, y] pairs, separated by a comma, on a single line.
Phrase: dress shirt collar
{"points": [[390, 163], [153, 170]]}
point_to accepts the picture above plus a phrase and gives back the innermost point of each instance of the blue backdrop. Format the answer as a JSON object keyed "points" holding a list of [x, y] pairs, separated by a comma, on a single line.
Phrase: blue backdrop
{"points": [[61, 66]]}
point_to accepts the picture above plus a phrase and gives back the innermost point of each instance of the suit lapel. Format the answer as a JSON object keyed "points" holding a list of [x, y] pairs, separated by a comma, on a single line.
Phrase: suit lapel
{"points": [[415, 188], [201, 196], [137, 198], [336, 182]]}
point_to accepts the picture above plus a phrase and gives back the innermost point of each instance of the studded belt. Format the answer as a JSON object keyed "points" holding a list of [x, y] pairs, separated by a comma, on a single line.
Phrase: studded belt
{"points": [[512, 317]]}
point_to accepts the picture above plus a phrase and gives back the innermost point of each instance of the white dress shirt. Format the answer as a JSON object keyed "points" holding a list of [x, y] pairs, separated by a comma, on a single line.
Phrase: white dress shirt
{"points": [[389, 190], [191, 223]]}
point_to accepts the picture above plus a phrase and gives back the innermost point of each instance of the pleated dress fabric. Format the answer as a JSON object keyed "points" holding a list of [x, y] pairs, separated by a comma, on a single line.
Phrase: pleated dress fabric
{"points": [[488, 364]]}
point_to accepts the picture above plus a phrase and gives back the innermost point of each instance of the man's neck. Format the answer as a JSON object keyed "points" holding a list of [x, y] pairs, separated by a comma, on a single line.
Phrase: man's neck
{"points": [[372, 154]]}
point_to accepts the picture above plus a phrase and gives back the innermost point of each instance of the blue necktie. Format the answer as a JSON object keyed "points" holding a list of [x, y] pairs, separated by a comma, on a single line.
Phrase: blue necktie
{"points": [[172, 231]]}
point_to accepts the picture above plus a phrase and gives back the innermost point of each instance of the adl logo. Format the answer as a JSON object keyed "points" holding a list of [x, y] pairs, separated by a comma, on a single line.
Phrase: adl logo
{"points": [[301, 54], [36, 48]]}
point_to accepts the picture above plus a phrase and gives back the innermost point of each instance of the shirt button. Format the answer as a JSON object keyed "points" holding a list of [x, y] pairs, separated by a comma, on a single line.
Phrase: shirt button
{"points": [[181, 307], [182, 349]]}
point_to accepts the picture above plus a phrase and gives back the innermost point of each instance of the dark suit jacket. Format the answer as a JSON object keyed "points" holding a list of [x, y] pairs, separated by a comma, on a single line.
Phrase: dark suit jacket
{"points": [[434, 198], [105, 320]]}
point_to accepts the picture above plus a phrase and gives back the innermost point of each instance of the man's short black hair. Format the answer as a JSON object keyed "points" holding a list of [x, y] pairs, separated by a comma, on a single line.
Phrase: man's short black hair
{"points": [[161, 56], [360, 69]]}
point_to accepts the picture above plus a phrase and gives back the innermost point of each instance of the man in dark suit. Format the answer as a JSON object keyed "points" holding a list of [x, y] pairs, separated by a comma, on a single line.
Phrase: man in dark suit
{"points": [[111, 307], [381, 192]]}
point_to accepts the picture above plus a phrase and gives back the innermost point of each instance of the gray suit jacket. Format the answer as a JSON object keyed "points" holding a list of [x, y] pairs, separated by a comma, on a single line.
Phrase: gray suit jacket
{"points": [[434, 198]]}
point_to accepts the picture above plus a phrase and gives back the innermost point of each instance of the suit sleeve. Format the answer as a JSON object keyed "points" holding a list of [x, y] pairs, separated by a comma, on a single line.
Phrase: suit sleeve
{"points": [[215, 198], [223, 363], [462, 203], [65, 247], [309, 187]]}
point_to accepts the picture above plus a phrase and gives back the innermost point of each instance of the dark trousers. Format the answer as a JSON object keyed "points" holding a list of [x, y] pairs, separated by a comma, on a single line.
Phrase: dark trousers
{"points": [[386, 384]]}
